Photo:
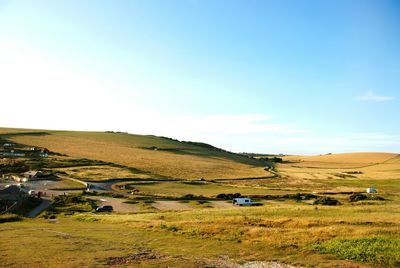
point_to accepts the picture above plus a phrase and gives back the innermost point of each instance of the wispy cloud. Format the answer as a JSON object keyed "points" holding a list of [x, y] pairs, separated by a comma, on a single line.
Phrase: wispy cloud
{"points": [[371, 96]]}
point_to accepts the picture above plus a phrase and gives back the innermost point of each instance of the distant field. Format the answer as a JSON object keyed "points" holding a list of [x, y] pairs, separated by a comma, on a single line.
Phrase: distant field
{"points": [[148, 153], [343, 172], [349, 160]]}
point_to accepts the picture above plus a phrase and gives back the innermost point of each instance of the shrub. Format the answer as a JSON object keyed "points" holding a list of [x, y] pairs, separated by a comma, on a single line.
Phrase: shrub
{"points": [[229, 196], [69, 204], [380, 198], [357, 197], [326, 201], [192, 197], [300, 196], [169, 228]]}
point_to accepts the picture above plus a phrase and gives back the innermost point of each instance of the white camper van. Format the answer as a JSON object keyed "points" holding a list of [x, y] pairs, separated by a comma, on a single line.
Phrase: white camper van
{"points": [[371, 190], [242, 202]]}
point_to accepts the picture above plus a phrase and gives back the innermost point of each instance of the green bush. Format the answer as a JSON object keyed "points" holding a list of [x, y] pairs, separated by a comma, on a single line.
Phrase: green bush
{"points": [[169, 228], [379, 250], [326, 201], [357, 197], [192, 197], [229, 196], [69, 204]]}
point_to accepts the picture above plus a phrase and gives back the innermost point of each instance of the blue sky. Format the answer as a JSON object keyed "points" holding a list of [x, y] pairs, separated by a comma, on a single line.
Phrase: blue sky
{"points": [[298, 77]]}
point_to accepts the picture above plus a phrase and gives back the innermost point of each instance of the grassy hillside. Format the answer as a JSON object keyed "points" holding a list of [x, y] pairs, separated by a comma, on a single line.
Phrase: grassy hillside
{"points": [[152, 154]]}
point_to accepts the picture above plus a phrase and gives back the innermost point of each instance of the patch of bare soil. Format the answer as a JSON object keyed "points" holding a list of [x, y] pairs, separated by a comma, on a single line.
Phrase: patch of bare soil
{"points": [[170, 205], [263, 264], [225, 263], [135, 258], [221, 204], [117, 204]]}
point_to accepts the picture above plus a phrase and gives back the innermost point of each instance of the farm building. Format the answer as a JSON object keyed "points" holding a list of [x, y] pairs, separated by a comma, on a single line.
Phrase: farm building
{"points": [[33, 174], [13, 193]]}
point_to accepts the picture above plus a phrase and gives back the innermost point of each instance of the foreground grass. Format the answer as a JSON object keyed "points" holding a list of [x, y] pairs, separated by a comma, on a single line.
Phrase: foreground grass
{"points": [[286, 232], [351, 235], [380, 250]]}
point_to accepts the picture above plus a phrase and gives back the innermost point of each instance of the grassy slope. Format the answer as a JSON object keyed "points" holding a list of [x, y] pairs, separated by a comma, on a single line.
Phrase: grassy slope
{"points": [[287, 232], [173, 158]]}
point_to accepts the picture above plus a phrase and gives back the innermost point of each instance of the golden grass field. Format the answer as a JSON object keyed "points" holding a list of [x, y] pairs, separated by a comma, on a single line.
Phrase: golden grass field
{"points": [[353, 234], [172, 159], [100, 173], [343, 172], [358, 159]]}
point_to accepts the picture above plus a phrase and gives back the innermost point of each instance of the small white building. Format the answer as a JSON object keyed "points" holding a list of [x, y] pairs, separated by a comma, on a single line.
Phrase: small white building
{"points": [[242, 201], [371, 190]]}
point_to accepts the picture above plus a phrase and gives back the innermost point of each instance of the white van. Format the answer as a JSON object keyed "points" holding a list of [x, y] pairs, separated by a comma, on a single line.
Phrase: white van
{"points": [[371, 190], [242, 202]]}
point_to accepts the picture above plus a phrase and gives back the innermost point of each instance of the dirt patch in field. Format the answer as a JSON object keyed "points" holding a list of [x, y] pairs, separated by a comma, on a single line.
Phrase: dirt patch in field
{"points": [[221, 204], [170, 205], [225, 263], [117, 203], [135, 258]]}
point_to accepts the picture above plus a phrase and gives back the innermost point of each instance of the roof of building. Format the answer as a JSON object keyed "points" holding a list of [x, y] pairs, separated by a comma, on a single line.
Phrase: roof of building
{"points": [[33, 173], [11, 189]]}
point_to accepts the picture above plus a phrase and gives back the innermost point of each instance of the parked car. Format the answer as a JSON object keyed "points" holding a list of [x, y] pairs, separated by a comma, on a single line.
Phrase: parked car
{"points": [[371, 190], [104, 209]]}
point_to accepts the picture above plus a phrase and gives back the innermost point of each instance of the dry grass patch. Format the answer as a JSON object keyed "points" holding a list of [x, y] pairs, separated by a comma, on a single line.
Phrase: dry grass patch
{"points": [[101, 173]]}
